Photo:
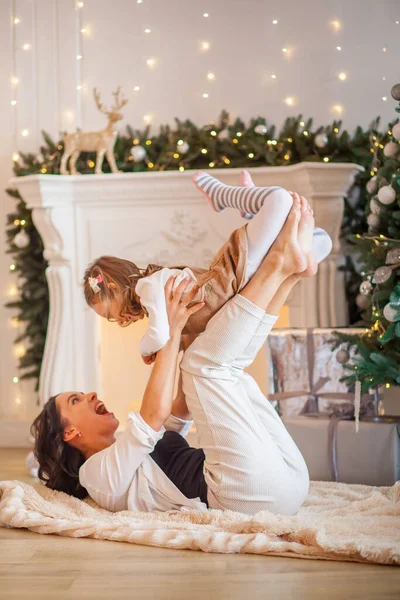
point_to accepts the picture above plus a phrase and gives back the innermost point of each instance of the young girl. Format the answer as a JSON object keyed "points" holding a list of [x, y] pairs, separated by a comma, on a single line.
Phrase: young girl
{"points": [[119, 290]]}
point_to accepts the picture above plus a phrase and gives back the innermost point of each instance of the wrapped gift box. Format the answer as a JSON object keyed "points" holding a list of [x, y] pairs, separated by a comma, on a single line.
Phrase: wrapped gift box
{"points": [[370, 457], [299, 359]]}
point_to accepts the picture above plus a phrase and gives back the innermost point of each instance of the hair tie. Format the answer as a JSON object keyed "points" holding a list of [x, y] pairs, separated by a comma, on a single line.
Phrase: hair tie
{"points": [[94, 283]]}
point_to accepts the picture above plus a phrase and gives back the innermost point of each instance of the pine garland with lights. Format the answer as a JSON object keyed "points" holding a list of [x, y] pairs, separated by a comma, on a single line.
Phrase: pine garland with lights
{"points": [[220, 144], [377, 352]]}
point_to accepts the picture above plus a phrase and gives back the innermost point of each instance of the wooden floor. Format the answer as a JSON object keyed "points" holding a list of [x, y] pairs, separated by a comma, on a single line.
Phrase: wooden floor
{"points": [[42, 567]]}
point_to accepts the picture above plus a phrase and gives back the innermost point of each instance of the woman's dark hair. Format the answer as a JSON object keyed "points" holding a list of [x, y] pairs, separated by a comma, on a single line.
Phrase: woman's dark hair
{"points": [[59, 463]]}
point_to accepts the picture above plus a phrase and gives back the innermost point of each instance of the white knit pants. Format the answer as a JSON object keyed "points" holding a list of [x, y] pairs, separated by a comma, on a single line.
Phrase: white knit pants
{"points": [[251, 463]]}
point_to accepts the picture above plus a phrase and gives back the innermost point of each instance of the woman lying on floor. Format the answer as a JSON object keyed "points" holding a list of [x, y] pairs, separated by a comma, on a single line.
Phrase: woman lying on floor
{"points": [[248, 461]]}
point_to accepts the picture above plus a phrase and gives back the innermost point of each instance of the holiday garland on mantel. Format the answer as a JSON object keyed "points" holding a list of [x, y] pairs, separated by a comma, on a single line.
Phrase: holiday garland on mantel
{"points": [[219, 144]]}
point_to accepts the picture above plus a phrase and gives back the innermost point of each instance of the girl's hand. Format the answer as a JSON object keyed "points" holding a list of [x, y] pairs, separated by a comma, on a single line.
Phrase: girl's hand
{"points": [[177, 310], [149, 359]]}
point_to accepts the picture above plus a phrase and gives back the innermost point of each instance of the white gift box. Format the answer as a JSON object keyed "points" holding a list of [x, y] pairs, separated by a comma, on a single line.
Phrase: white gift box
{"points": [[370, 457], [299, 360]]}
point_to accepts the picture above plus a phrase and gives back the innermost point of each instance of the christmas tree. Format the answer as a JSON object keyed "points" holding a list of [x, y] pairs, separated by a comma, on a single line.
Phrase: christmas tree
{"points": [[376, 360]]}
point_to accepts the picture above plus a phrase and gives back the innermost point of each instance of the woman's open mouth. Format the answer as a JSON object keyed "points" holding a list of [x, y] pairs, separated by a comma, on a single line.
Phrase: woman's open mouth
{"points": [[100, 409]]}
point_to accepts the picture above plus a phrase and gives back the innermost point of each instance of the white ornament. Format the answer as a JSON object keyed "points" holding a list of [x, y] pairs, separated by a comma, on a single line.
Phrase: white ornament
{"points": [[138, 153], [393, 256], [375, 207], [373, 221], [22, 239], [386, 194], [391, 149], [382, 274], [182, 148], [261, 129], [342, 356], [365, 287], [372, 185], [224, 134], [363, 301], [389, 313], [396, 131], [321, 140]]}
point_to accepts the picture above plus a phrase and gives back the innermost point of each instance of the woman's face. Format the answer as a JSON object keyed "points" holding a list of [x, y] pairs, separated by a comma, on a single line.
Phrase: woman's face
{"points": [[89, 426]]}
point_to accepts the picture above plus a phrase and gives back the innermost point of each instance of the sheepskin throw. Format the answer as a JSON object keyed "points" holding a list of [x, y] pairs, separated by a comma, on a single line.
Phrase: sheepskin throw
{"points": [[337, 522]]}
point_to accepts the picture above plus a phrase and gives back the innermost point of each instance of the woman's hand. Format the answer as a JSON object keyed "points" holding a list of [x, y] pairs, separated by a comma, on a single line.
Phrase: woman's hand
{"points": [[177, 310]]}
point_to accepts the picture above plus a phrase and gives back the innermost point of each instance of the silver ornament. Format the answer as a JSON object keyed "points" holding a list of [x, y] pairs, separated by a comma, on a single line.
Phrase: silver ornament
{"points": [[375, 207], [396, 92], [321, 140], [138, 153], [182, 147], [372, 185], [391, 149], [382, 274], [363, 301], [387, 195], [22, 239], [261, 129], [389, 313], [393, 256], [365, 287], [396, 131], [373, 221], [342, 356], [224, 134]]}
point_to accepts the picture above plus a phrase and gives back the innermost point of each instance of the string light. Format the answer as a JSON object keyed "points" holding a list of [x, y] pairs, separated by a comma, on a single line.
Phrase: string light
{"points": [[210, 76], [301, 123], [147, 30], [235, 141], [250, 155], [205, 95], [227, 161], [176, 155], [15, 158], [305, 133], [205, 46], [239, 134], [213, 133], [14, 81], [284, 50], [25, 132], [181, 169], [289, 101], [336, 130], [17, 400], [342, 76], [326, 159], [79, 57], [80, 4], [338, 48], [12, 267], [78, 87], [148, 142], [273, 76], [275, 22], [26, 47], [204, 151], [17, 222], [388, 384], [23, 222], [17, 20], [287, 156], [337, 108], [384, 49], [19, 351], [211, 165], [384, 98], [147, 119], [13, 102], [384, 78], [90, 163], [139, 1], [336, 25], [150, 165], [205, 15], [151, 62], [15, 322]]}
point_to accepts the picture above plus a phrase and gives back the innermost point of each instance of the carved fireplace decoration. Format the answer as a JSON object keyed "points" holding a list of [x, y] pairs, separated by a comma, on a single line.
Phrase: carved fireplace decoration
{"points": [[161, 218]]}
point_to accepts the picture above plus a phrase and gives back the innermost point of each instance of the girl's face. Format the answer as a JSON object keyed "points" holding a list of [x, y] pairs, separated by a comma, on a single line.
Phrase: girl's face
{"points": [[89, 426], [112, 312]]}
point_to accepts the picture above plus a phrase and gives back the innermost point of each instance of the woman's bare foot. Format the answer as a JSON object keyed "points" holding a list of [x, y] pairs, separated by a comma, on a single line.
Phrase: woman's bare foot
{"points": [[286, 252], [305, 236]]}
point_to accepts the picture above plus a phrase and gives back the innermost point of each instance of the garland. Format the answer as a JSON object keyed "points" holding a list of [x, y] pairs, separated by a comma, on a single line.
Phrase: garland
{"points": [[218, 144]]}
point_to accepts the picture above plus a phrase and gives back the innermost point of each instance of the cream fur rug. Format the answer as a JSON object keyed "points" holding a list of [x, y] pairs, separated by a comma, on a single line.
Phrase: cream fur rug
{"points": [[337, 522]]}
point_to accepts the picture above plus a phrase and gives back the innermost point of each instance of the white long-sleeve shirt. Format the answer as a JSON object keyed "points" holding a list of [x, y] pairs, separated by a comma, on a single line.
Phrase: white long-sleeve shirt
{"points": [[124, 476], [151, 291]]}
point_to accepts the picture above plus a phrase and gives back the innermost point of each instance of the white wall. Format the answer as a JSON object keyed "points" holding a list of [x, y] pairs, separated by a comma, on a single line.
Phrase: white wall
{"points": [[245, 50]]}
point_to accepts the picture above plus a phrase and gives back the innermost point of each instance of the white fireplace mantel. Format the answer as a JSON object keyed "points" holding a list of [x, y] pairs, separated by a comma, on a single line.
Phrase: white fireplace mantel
{"points": [[159, 217]]}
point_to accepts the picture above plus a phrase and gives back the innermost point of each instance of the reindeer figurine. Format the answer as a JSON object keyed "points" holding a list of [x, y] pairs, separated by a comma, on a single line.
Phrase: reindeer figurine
{"points": [[102, 142]]}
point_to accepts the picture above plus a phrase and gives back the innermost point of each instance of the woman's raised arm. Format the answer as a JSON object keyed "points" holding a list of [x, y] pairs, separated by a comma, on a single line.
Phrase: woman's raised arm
{"points": [[158, 397]]}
